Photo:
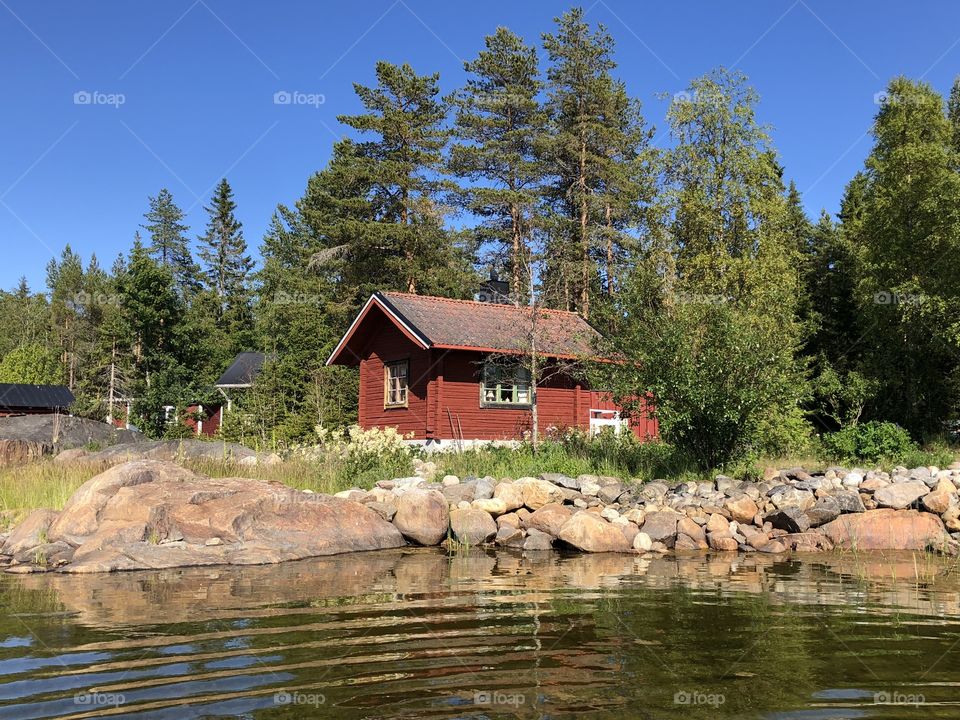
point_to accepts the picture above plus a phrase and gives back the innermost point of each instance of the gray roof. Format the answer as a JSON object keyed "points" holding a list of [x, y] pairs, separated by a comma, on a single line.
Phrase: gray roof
{"points": [[22, 396], [243, 370]]}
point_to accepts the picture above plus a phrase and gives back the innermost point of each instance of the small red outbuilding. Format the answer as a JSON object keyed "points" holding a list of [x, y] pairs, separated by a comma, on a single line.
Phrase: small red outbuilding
{"points": [[435, 368]]}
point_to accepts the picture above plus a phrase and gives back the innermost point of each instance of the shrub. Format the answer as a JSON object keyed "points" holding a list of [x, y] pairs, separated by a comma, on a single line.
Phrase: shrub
{"points": [[870, 442], [362, 450]]}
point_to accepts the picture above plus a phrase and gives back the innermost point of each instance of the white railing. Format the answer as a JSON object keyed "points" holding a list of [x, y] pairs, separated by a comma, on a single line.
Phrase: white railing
{"points": [[600, 419]]}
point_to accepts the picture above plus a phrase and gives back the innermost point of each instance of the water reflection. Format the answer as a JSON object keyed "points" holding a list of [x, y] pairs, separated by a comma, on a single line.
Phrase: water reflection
{"points": [[415, 633]]}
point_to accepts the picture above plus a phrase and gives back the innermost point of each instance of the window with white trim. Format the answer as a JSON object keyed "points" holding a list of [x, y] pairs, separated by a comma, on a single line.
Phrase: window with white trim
{"points": [[505, 385], [395, 380]]}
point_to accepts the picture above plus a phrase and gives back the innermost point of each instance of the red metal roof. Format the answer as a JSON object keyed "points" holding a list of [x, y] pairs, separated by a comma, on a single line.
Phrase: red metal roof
{"points": [[466, 325]]}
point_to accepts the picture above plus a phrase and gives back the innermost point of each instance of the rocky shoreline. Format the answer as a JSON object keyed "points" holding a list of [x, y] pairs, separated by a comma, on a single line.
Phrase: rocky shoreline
{"points": [[151, 514]]}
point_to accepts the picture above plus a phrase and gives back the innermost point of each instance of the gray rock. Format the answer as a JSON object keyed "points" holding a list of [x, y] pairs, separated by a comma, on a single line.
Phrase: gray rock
{"points": [[537, 540], [802, 499], [562, 480], [661, 526], [483, 489], [826, 510], [900, 495], [609, 493], [849, 501], [653, 490], [792, 519]]}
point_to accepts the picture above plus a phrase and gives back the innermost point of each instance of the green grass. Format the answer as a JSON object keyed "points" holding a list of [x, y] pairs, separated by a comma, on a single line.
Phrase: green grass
{"points": [[47, 484]]}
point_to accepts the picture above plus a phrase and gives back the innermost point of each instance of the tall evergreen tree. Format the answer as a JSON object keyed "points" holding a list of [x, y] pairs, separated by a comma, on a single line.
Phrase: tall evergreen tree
{"points": [[403, 158], [168, 240], [223, 250], [604, 180], [499, 123]]}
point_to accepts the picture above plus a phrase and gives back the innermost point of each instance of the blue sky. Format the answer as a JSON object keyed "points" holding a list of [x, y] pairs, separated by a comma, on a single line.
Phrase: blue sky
{"points": [[181, 93]]}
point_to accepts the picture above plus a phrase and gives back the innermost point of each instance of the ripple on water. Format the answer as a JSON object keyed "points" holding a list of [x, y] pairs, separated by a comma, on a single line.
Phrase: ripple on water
{"points": [[415, 633]]}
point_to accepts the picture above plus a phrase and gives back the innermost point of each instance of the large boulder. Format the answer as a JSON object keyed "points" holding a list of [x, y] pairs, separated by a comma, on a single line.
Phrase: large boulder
{"points": [[550, 518], [472, 526], [81, 515], [791, 519], [886, 529], [510, 493], [589, 532], [537, 493], [33, 531], [149, 514], [422, 516], [826, 510], [849, 501], [900, 495], [742, 508], [661, 526]]}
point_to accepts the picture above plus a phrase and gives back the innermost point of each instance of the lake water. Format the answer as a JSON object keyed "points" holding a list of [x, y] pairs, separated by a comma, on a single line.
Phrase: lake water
{"points": [[419, 634]]}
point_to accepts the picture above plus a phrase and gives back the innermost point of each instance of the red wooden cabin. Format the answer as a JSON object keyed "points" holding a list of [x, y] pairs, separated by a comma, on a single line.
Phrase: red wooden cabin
{"points": [[439, 369]]}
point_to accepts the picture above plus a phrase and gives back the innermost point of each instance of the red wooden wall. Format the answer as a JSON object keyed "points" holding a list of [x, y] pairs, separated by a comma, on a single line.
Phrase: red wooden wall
{"points": [[444, 394], [386, 343]]}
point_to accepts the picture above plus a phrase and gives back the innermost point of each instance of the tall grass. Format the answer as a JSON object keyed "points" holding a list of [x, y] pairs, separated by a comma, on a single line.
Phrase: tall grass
{"points": [[47, 484]]}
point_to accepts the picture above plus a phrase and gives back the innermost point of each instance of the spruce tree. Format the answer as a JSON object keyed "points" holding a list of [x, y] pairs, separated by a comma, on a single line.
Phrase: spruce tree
{"points": [[499, 123], [223, 250], [168, 241]]}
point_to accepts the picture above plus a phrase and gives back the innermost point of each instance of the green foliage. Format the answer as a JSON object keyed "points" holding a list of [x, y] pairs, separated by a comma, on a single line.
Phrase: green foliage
{"points": [[499, 123], [596, 154], [31, 364], [744, 320], [907, 288], [870, 442], [709, 322]]}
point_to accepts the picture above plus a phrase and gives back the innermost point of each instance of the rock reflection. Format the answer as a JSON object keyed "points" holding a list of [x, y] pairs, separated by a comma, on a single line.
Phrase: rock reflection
{"points": [[418, 633]]}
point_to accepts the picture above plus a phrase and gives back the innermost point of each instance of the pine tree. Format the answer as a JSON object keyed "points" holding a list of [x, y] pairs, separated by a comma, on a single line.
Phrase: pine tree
{"points": [[223, 251], [597, 151], [65, 282], [403, 158], [499, 123], [168, 241]]}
